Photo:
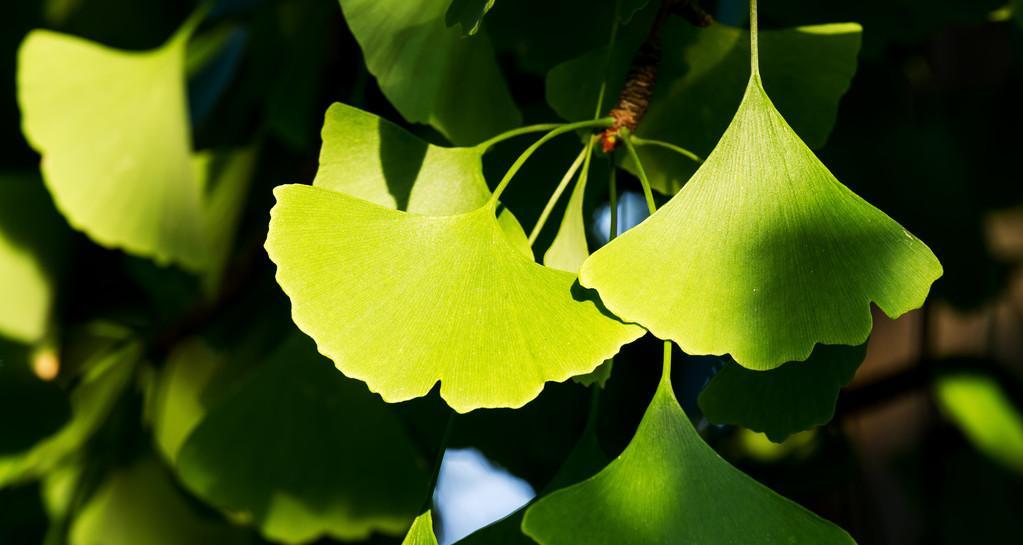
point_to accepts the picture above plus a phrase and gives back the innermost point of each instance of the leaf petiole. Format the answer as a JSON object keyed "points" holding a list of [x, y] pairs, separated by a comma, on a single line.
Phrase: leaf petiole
{"points": [[556, 195], [562, 129], [507, 135], [668, 146], [643, 180]]}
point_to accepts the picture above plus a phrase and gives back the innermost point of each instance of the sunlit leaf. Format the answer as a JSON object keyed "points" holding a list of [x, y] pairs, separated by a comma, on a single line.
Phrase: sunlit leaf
{"points": [[105, 377], [371, 158], [469, 302], [421, 532], [569, 248], [794, 397], [669, 487], [359, 472], [986, 415], [701, 80], [32, 239], [763, 254], [429, 71], [140, 504], [112, 127]]}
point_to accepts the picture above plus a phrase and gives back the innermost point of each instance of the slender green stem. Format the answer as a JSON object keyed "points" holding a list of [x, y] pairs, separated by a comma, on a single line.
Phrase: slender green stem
{"points": [[507, 135], [753, 40], [666, 369], [607, 58], [556, 195], [668, 146], [445, 439], [612, 188], [562, 129], [643, 180]]}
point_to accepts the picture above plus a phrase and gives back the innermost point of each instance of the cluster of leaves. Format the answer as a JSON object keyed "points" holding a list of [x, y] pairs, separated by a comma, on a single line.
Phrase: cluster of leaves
{"points": [[407, 264]]}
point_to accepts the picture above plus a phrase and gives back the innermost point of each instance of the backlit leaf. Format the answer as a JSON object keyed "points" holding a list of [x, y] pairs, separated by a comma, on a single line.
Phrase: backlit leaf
{"points": [[669, 487], [763, 254], [421, 532], [468, 13], [112, 127], [32, 239], [792, 398], [475, 313]]}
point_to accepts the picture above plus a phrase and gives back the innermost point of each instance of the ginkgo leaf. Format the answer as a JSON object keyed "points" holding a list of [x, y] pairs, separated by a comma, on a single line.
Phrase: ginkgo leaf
{"points": [[569, 248], [475, 313], [112, 127], [701, 80], [432, 74], [359, 473], [794, 397], [224, 177], [763, 253], [32, 239], [371, 158], [141, 504], [421, 532], [680, 489]]}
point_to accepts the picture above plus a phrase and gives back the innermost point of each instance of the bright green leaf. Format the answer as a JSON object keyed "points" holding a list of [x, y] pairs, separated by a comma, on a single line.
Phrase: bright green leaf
{"points": [[763, 254], [669, 487], [421, 532], [794, 397], [429, 71], [701, 80], [475, 313], [468, 13], [359, 472], [32, 238], [140, 504], [112, 127], [569, 248], [985, 414]]}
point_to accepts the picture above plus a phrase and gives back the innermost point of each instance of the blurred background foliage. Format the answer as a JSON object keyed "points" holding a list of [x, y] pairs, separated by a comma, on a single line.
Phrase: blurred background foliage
{"points": [[142, 403]]}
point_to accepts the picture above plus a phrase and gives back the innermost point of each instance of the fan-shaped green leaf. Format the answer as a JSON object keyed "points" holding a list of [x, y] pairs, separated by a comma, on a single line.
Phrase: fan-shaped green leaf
{"points": [[786, 400], [569, 248], [669, 487], [762, 254], [421, 532], [140, 504], [371, 158], [429, 71], [701, 80], [112, 127], [473, 311], [359, 472], [32, 238]]}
